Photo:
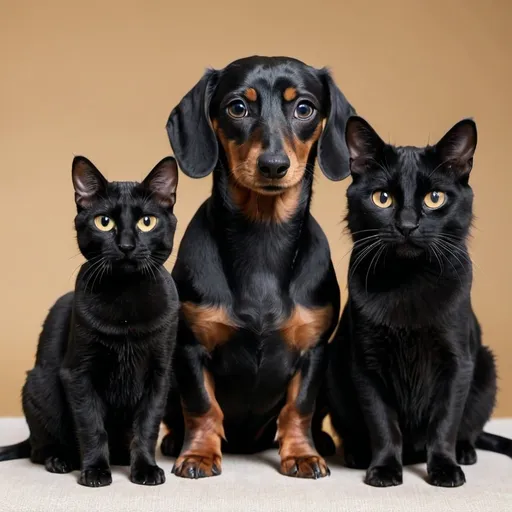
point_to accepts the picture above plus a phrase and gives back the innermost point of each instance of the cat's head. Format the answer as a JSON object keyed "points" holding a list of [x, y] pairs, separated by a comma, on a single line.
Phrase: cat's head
{"points": [[127, 226], [412, 200]]}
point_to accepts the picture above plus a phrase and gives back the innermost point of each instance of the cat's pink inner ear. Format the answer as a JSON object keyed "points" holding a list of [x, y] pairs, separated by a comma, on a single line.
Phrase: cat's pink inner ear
{"points": [[458, 146], [87, 181], [362, 140], [162, 182]]}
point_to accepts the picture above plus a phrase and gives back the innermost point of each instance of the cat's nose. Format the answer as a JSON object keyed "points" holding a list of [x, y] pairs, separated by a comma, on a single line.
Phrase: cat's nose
{"points": [[126, 247], [406, 228]]}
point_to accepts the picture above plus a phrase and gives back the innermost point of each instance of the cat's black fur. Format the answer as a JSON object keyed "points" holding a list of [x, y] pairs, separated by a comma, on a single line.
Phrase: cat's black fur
{"points": [[408, 378], [100, 382]]}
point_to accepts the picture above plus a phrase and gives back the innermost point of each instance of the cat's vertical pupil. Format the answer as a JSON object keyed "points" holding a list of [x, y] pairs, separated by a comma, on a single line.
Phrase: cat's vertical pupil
{"points": [[383, 197], [105, 221], [147, 221], [434, 196]]}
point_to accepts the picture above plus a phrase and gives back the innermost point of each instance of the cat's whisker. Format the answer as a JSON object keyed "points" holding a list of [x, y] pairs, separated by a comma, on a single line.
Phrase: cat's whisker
{"points": [[375, 256], [376, 259], [97, 268], [105, 267], [435, 253], [360, 257], [89, 272], [152, 269], [463, 254], [363, 231], [157, 266], [441, 250], [359, 244], [97, 274]]}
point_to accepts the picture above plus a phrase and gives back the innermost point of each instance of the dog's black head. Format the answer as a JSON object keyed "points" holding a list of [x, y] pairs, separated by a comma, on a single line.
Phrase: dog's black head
{"points": [[271, 116]]}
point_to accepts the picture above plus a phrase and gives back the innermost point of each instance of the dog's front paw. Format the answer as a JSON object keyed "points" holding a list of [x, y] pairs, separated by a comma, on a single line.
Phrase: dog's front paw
{"points": [[197, 466], [310, 466]]}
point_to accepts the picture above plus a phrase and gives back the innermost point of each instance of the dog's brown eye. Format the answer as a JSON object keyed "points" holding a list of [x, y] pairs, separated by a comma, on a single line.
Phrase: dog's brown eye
{"points": [[382, 199], [237, 109], [304, 111]]}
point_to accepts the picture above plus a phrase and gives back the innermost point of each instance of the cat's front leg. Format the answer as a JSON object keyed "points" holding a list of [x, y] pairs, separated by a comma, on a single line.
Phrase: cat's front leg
{"points": [[148, 416], [386, 438], [449, 404], [89, 414]]}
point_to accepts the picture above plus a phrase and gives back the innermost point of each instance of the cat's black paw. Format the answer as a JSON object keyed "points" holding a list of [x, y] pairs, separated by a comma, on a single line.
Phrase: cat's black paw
{"points": [[169, 446], [466, 453], [384, 476], [446, 475], [95, 477], [144, 474], [55, 464]]}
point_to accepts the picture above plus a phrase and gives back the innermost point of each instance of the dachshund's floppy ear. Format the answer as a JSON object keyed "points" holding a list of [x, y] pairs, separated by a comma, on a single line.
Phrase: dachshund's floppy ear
{"points": [[333, 157], [190, 131]]}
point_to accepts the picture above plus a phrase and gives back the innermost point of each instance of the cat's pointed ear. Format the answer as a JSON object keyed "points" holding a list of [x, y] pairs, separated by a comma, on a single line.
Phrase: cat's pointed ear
{"points": [[162, 182], [457, 148], [363, 143], [88, 182]]}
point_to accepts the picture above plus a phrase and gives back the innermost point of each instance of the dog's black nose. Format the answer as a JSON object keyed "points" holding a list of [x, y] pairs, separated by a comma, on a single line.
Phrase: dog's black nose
{"points": [[273, 166]]}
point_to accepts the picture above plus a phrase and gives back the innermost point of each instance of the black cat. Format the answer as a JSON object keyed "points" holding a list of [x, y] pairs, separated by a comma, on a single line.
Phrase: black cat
{"points": [[408, 378], [100, 382]]}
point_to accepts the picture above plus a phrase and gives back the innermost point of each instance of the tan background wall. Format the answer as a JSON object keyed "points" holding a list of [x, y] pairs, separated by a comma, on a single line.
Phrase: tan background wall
{"points": [[99, 79]]}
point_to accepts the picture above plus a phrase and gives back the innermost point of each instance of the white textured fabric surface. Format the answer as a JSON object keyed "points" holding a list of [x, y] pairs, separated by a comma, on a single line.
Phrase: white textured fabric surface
{"points": [[253, 483]]}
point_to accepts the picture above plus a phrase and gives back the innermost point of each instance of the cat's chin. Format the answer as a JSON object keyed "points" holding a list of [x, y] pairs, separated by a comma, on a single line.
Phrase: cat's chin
{"points": [[127, 266], [408, 250]]}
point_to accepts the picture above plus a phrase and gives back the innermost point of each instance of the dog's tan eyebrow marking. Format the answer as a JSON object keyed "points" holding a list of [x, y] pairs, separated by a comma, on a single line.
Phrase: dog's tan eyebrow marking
{"points": [[290, 93], [251, 94]]}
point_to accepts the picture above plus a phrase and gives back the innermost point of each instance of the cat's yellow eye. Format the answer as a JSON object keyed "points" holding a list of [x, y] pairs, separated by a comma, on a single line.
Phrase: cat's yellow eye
{"points": [[434, 199], [147, 223], [382, 199], [104, 223]]}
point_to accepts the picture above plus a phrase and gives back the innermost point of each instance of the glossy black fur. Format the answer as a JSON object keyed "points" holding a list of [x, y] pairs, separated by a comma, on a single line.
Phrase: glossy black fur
{"points": [[97, 392], [256, 270], [409, 379]]}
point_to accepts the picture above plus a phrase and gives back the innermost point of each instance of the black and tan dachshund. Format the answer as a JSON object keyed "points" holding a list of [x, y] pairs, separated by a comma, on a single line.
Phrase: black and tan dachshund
{"points": [[258, 291]]}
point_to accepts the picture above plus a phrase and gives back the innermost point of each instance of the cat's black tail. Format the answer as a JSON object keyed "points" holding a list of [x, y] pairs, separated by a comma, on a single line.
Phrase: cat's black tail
{"points": [[494, 443], [15, 451]]}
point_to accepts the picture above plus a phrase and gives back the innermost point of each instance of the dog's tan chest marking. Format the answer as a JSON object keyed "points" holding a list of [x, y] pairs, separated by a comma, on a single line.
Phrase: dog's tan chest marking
{"points": [[211, 325], [304, 327]]}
